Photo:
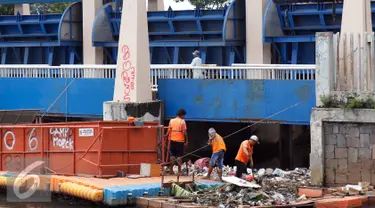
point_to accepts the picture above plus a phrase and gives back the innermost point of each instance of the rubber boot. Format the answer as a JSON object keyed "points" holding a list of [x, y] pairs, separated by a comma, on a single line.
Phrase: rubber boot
{"points": [[210, 169], [220, 173]]}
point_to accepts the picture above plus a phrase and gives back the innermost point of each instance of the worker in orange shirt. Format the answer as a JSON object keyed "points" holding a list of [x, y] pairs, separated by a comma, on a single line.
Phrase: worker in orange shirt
{"points": [[218, 151], [245, 155], [177, 135]]}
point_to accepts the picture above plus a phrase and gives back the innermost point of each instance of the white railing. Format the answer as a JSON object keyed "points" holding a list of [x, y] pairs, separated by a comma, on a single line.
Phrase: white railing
{"points": [[237, 71]]}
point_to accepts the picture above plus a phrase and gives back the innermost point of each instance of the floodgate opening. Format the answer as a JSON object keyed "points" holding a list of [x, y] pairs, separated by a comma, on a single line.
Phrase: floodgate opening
{"points": [[281, 145]]}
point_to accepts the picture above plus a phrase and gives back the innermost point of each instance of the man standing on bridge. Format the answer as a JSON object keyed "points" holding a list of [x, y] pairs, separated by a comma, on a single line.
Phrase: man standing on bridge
{"points": [[245, 155], [218, 150], [197, 62], [178, 139]]}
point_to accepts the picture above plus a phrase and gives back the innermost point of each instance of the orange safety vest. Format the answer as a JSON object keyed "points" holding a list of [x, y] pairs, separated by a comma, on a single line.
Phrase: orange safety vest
{"points": [[241, 155], [218, 144], [176, 133]]}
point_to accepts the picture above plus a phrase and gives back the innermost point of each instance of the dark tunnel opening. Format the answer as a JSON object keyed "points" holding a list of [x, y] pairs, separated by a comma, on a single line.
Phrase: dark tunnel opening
{"points": [[281, 145]]}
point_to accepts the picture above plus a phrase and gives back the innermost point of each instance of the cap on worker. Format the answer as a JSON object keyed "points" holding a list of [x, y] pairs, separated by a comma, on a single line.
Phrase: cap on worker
{"points": [[196, 53], [211, 133], [255, 139]]}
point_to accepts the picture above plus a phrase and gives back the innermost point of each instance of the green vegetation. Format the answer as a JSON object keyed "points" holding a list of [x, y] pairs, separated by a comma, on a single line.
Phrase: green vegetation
{"points": [[206, 4], [6, 9], [45, 8], [351, 102], [48, 8]]}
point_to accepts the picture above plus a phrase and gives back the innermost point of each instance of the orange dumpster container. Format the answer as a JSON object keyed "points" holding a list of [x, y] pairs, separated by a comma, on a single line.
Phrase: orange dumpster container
{"points": [[97, 148]]}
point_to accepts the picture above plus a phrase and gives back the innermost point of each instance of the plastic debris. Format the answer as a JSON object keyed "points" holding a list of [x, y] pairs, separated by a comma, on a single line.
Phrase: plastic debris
{"points": [[178, 191], [266, 187], [279, 172], [278, 197], [261, 172], [302, 198]]}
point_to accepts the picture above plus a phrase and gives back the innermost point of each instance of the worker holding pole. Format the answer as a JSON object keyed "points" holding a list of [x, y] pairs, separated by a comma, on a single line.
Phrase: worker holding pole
{"points": [[245, 155], [218, 151], [177, 139]]}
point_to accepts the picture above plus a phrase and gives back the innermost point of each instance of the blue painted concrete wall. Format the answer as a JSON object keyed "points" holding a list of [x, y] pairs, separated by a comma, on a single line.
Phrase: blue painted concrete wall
{"points": [[204, 100], [83, 97], [239, 100]]}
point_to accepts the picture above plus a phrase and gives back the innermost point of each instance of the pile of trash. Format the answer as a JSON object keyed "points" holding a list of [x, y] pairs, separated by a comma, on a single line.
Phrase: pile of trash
{"points": [[275, 187], [200, 168], [278, 187]]}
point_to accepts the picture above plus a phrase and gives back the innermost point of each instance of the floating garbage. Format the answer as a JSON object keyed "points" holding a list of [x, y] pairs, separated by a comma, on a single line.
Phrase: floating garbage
{"points": [[266, 187]]}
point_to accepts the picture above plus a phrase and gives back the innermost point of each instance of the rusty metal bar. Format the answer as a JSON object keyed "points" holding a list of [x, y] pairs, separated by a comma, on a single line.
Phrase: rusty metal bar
{"points": [[42, 145], [162, 146], [92, 163], [133, 127], [50, 169], [74, 153], [94, 151], [100, 153], [120, 165]]}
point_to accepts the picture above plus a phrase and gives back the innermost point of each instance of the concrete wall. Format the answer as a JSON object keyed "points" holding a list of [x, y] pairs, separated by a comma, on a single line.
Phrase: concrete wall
{"points": [[120, 111], [348, 157], [239, 100], [341, 146], [82, 97]]}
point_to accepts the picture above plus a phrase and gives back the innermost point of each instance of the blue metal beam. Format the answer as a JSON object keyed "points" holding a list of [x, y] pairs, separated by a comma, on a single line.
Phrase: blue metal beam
{"points": [[290, 39], [176, 43]]}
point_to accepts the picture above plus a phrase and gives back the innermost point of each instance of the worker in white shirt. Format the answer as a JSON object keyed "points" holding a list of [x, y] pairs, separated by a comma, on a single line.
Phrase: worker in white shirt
{"points": [[197, 62]]}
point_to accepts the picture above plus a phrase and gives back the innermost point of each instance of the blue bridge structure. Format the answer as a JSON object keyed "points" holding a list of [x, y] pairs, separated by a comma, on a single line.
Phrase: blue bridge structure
{"points": [[52, 39], [56, 39], [173, 35], [299, 23]]}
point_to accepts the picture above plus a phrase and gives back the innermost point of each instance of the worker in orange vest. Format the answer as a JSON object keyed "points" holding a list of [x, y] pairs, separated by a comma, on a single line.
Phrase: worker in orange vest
{"points": [[218, 151], [245, 155], [177, 135]]}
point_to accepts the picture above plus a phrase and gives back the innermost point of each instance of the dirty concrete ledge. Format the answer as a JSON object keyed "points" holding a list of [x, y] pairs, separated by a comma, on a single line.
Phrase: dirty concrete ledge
{"points": [[332, 202]]}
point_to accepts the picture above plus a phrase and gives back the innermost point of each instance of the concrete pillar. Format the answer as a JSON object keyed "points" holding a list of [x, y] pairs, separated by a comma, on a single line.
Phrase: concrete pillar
{"points": [[91, 55], [356, 16], [258, 52], [132, 93], [22, 8], [155, 5], [324, 65], [132, 82]]}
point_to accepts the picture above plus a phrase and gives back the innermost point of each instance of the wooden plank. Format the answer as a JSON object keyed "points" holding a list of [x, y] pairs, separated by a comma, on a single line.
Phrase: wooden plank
{"points": [[358, 63], [351, 63], [340, 69], [336, 76], [372, 67]]}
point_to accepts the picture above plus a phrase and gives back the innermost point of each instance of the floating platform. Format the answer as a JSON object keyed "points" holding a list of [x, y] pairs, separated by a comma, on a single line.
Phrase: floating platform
{"points": [[112, 192]]}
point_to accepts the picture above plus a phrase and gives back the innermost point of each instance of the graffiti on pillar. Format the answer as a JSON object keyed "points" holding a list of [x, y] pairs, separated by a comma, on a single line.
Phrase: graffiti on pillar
{"points": [[128, 73], [9, 140], [62, 137]]}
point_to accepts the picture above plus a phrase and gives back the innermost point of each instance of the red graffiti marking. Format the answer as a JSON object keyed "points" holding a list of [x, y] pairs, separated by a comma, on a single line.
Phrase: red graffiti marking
{"points": [[128, 73]]}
